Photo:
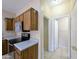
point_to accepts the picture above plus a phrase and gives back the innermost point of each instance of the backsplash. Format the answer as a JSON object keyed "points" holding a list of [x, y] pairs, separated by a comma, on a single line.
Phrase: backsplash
{"points": [[8, 33]]}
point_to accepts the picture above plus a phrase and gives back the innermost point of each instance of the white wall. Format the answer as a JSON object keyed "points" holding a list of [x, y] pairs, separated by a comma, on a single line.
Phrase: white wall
{"points": [[74, 26], [64, 32], [36, 34], [46, 34], [10, 15], [56, 34], [51, 34], [74, 33]]}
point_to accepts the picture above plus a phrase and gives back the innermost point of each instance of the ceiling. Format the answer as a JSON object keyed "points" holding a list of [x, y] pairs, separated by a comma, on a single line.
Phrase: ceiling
{"points": [[49, 7], [14, 5], [55, 8]]}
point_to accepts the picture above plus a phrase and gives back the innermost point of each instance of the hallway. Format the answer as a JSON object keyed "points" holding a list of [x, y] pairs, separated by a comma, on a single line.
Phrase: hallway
{"points": [[60, 53]]}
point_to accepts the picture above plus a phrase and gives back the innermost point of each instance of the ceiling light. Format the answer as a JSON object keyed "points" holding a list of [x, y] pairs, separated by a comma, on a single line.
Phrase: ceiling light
{"points": [[56, 2]]}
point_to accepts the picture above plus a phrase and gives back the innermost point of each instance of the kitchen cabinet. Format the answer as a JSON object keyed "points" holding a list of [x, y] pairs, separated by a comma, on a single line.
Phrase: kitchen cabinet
{"points": [[29, 19], [4, 46], [9, 24], [14, 24], [33, 52], [21, 17], [34, 19], [17, 18], [29, 53]]}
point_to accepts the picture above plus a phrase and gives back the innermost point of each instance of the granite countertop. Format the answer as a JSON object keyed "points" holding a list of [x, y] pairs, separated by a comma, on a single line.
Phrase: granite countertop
{"points": [[26, 44]]}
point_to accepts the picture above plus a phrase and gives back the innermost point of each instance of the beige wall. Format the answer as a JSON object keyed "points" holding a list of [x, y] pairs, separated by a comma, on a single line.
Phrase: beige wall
{"points": [[36, 34], [10, 15], [74, 26], [74, 33], [45, 34]]}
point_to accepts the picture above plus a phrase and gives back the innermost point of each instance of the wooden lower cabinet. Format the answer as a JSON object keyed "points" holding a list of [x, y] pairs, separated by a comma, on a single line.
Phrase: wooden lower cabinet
{"points": [[4, 47], [29, 53], [16, 55]]}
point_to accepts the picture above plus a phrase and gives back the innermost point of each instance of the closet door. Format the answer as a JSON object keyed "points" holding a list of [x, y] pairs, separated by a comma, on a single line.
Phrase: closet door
{"points": [[64, 36]]}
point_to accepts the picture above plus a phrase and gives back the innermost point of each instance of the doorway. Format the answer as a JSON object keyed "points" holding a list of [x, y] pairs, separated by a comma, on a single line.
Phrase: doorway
{"points": [[57, 38]]}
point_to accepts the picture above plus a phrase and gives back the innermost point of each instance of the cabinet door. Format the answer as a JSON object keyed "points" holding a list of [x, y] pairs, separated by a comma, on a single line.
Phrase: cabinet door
{"points": [[36, 51], [34, 20], [26, 21], [16, 55], [25, 54], [18, 18], [9, 24], [33, 52], [4, 47], [14, 24], [21, 17]]}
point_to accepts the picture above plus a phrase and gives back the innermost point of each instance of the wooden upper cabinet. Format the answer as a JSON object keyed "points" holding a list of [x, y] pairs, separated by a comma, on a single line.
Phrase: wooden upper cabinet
{"points": [[21, 17], [14, 24], [34, 19], [18, 18], [31, 19], [9, 24], [27, 20]]}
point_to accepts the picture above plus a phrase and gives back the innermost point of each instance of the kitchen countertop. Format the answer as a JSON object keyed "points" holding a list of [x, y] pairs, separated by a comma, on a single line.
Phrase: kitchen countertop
{"points": [[10, 37], [26, 44]]}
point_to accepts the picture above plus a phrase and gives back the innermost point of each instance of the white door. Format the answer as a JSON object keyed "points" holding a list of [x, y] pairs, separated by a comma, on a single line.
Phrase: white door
{"points": [[64, 36]]}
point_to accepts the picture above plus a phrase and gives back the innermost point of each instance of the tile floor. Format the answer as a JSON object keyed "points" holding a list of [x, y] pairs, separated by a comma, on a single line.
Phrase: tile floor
{"points": [[8, 56], [58, 54]]}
